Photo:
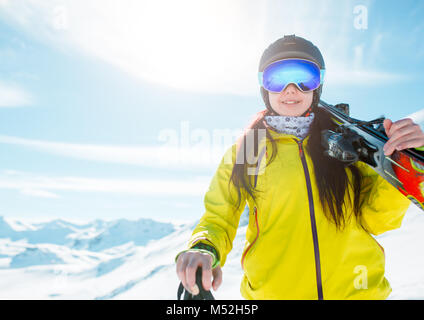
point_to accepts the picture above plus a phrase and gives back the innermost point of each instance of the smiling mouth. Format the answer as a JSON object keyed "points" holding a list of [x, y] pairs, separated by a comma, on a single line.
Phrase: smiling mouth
{"points": [[291, 102]]}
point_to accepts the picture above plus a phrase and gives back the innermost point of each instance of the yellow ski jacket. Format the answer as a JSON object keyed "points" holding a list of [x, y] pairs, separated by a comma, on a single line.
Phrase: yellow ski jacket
{"points": [[291, 250]]}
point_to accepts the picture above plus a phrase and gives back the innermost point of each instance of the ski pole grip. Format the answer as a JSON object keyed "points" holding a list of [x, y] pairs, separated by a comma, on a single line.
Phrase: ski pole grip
{"points": [[203, 294]]}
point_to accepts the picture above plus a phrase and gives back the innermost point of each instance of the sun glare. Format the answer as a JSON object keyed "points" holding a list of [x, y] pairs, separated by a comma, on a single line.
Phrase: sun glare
{"points": [[190, 45]]}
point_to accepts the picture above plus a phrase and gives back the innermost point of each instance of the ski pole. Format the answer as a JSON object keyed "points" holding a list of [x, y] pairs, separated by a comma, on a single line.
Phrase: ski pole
{"points": [[203, 294]]}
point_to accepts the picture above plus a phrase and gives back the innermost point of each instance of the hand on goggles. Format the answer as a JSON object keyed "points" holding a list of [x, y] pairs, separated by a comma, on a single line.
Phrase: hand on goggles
{"points": [[305, 74]]}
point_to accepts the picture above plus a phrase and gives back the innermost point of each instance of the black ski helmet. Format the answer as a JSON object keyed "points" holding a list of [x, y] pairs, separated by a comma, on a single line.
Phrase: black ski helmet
{"points": [[290, 46]]}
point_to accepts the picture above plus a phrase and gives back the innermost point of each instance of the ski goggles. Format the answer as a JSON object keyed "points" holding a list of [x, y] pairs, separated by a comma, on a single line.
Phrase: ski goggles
{"points": [[305, 74]]}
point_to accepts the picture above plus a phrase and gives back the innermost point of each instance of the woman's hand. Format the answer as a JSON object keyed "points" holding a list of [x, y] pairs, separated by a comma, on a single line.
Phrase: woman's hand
{"points": [[402, 134], [187, 264]]}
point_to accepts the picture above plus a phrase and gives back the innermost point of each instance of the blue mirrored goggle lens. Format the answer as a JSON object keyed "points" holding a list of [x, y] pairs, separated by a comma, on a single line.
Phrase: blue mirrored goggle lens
{"points": [[304, 74]]}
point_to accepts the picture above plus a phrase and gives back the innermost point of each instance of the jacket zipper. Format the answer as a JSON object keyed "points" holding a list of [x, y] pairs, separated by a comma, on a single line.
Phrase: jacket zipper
{"points": [[255, 210], [313, 221], [256, 238]]}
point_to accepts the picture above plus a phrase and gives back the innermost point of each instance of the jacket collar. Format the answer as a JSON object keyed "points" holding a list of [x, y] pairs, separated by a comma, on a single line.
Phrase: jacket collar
{"points": [[284, 136]]}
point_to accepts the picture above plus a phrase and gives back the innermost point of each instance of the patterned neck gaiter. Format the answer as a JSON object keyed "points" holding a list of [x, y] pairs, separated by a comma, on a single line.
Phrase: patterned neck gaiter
{"points": [[295, 125]]}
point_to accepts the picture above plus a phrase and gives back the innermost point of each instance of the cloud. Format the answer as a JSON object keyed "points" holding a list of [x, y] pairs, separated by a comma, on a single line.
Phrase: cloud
{"points": [[217, 42], [205, 154], [13, 96], [47, 186], [38, 193], [171, 47], [340, 75], [417, 117], [181, 149]]}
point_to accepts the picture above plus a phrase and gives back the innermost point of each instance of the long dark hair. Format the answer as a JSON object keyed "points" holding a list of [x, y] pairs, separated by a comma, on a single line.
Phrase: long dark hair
{"points": [[331, 176]]}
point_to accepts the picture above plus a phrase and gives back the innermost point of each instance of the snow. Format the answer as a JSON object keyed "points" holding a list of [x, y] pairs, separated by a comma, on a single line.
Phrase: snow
{"points": [[35, 256], [125, 259]]}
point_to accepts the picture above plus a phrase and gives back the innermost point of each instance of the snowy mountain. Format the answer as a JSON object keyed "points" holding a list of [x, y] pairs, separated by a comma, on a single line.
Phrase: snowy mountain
{"points": [[125, 259], [95, 236]]}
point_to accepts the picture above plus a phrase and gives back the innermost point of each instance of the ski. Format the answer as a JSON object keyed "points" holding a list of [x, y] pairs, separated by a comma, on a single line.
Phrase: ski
{"points": [[355, 140]]}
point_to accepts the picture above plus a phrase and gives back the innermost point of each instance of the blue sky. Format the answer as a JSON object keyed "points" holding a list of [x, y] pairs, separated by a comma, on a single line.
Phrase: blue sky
{"points": [[92, 91]]}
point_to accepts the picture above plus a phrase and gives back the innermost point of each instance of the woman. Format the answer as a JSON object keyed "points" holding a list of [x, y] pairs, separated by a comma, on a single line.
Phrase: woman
{"points": [[311, 218]]}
